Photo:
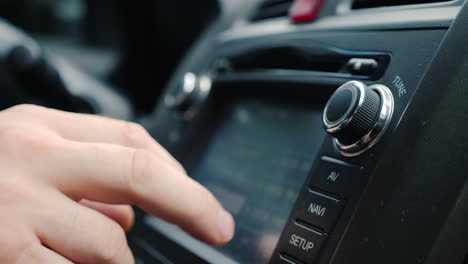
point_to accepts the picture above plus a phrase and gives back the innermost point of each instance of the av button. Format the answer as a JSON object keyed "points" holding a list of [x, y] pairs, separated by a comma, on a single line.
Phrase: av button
{"points": [[319, 210], [335, 177], [301, 243]]}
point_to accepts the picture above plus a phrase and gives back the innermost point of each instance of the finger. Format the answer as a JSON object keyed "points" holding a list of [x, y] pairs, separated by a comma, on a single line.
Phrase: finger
{"points": [[80, 233], [39, 254], [122, 214], [98, 129], [114, 174]]}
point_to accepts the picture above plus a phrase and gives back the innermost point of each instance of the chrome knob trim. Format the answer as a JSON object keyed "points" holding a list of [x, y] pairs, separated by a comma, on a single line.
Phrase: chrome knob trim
{"points": [[376, 133], [362, 124], [190, 94]]}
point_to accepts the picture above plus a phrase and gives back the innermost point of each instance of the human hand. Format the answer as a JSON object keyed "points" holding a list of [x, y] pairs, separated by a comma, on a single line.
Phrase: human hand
{"points": [[67, 180]]}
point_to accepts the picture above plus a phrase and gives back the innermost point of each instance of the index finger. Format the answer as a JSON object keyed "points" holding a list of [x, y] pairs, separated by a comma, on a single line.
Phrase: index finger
{"points": [[116, 174], [95, 129]]}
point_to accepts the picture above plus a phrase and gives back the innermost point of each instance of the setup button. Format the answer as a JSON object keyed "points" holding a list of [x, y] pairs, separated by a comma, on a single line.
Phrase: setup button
{"points": [[301, 243]]}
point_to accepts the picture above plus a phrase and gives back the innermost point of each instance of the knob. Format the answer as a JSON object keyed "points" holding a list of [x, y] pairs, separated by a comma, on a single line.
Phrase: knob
{"points": [[357, 115], [190, 94]]}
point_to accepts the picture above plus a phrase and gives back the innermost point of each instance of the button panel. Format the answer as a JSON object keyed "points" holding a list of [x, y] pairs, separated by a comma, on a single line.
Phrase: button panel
{"points": [[335, 177], [319, 210], [301, 243], [316, 212]]}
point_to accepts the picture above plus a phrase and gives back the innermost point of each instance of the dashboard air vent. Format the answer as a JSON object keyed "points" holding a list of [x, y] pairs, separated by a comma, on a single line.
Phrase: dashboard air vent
{"points": [[271, 9], [359, 4]]}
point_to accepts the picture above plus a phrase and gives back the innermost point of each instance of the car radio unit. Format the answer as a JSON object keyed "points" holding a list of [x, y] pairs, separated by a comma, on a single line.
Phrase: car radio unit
{"points": [[257, 131]]}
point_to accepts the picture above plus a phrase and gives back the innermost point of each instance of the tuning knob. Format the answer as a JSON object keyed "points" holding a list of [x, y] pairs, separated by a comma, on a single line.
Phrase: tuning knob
{"points": [[357, 115], [190, 94]]}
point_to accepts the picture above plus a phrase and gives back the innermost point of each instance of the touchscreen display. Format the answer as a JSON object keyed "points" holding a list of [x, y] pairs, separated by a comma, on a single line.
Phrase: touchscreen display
{"points": [[255, 164]]}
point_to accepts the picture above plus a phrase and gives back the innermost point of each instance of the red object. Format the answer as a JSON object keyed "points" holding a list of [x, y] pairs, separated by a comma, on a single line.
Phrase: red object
{"points": [[305, 10]]}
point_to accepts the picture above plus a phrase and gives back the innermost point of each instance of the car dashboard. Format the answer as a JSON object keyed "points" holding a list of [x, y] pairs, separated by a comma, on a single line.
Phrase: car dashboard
{"points": [[244, 113], [332, 130]]}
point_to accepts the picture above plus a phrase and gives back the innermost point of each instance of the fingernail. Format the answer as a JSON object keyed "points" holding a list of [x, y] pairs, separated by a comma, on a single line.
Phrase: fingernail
{"points": [[226, 225]]}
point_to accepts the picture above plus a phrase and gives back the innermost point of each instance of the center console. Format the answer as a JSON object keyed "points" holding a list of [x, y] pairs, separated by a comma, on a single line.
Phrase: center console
{"points": [[285, 124]]}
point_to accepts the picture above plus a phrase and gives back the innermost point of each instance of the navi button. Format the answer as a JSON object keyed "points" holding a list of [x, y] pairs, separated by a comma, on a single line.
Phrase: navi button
{"points": [[319, 210]]}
